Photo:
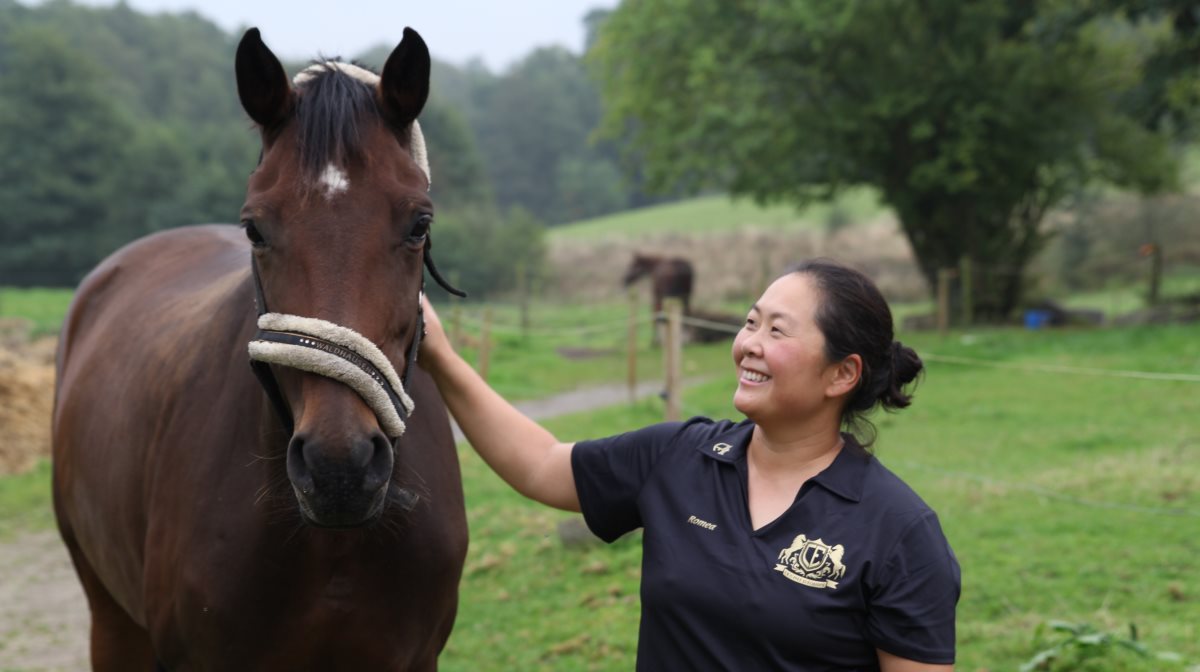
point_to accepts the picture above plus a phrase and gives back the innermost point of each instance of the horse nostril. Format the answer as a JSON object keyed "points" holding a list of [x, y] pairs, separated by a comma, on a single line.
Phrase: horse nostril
{"points": [[379, 471], [297, 466]]}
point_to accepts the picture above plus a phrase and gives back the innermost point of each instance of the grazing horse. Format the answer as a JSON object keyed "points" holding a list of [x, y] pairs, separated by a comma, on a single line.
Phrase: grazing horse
{"points": [[670, 277], [312, 519]]}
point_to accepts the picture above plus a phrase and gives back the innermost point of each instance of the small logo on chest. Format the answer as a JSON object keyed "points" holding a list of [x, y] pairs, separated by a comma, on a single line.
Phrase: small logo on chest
{"points": [[702, 523], [812, 562], [721, 448]]}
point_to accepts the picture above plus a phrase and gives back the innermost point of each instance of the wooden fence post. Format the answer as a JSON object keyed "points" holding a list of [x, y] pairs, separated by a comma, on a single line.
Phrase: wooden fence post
{"points": [[943, 299], [523, 298], [968, 291], [673, 355], [485, 343], [455, 333], [631, 345]]}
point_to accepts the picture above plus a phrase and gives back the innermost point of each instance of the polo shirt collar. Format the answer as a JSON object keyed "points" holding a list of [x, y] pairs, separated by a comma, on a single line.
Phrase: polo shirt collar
{"points": [[844, 477]]}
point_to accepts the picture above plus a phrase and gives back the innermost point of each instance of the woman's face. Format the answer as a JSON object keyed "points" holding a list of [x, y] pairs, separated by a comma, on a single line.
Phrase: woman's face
{"points": [[780, 355]]}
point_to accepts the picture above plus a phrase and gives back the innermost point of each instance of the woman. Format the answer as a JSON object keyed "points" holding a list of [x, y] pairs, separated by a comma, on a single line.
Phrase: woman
{"points": [[775, 543]]}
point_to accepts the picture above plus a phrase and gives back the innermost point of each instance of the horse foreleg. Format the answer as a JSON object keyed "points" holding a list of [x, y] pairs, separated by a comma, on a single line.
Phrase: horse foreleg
{"points": [[118, 643]]}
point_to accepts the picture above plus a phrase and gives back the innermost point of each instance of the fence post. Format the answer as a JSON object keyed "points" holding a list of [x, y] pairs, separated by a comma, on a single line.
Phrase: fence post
{"points": [[965, 285], [673, 355], [455, 314], [943, 299], [485, 343], [631, 345], [523, 298]]}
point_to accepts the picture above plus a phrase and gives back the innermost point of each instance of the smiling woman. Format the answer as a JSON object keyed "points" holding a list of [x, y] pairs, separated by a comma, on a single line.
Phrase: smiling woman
{"points": [[824, 559]]}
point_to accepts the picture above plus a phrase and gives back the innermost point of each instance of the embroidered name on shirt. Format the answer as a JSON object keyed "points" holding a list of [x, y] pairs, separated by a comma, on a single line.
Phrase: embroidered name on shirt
{"points": [[812, 562], [721, 448], [702, 523]]}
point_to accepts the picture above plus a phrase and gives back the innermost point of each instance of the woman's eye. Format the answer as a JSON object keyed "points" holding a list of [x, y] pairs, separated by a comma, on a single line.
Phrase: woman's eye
{"points": [[252, 233], [420, 228]]}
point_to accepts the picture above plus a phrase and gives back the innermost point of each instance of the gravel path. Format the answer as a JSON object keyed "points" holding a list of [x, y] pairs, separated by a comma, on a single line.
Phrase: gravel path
{"points": [[43, 612]]}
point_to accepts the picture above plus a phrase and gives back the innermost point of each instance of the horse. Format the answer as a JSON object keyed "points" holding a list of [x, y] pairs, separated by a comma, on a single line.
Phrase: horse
{"points": [[670, 277], [309, 517]]}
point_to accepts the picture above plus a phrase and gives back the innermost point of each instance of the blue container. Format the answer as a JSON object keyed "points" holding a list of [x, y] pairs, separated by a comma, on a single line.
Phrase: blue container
{"points": [[1036, 319]]}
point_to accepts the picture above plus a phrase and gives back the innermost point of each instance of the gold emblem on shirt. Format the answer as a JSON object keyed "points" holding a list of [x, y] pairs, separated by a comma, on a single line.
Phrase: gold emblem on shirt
{"points": [[812, 562]]}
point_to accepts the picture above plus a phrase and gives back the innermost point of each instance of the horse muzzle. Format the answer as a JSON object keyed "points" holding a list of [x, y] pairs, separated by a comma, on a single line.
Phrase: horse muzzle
{"points": [[340, 486]]}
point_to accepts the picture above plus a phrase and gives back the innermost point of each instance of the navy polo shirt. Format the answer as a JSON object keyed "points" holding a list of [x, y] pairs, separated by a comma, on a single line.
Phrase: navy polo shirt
{"points": [[857, 563]]}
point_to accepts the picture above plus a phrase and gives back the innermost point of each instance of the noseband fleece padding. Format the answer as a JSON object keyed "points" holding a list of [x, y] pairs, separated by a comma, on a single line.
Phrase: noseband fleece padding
{"points": [[337, 352]]}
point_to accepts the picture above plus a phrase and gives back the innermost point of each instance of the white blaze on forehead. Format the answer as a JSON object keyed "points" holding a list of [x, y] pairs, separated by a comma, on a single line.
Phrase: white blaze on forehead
{"points": [[418, 151], [334, 180]]}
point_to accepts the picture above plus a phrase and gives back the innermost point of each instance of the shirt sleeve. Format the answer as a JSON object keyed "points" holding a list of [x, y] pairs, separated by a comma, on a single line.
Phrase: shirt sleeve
{"points": [[913, 597], [609, 474]]}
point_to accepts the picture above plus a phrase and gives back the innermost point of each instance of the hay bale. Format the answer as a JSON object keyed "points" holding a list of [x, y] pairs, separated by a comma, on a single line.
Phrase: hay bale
{"points": [[26, 403]]}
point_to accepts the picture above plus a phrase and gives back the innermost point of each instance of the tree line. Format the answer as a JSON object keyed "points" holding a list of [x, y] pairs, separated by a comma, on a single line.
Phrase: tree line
{"points": [[973, 120], [115, 124]]}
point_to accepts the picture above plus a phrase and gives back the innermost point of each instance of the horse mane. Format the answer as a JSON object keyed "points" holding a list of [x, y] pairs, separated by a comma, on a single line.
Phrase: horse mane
{"points": [[334, 99]]}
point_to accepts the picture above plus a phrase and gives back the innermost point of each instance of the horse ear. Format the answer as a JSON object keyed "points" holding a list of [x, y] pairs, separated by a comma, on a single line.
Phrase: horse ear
{"points": [[262, 84], [404, 84]]}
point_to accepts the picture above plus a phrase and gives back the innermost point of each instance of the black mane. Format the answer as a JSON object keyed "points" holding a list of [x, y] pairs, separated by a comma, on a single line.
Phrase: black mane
{"points": [[331, 109]]}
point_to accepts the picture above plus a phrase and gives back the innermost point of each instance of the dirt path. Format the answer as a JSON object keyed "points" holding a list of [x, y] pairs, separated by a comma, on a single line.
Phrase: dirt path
{"points": [[44, 615]]}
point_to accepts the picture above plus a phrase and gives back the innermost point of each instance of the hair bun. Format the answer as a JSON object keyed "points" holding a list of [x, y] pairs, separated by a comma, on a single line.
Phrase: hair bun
{"points": [[906, 366]]}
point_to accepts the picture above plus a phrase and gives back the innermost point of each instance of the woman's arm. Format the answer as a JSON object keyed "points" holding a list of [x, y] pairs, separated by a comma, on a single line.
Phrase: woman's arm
{"points": [[526, 455], [891, 663]]}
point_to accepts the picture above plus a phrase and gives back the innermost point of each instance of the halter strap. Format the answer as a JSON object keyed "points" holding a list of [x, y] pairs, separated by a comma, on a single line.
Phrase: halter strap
{"points": [[338, 352]]}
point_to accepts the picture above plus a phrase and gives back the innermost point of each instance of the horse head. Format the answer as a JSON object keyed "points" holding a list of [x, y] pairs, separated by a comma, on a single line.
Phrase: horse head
{"points": [[640, 266], [338, 216]]}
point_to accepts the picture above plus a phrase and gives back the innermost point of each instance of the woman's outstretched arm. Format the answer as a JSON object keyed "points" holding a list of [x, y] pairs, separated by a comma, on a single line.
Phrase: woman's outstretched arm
{"points": [[525, 454]]}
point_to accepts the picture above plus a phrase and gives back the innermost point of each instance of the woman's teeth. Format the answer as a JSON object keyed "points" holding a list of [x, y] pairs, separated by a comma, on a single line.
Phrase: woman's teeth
{"points": [[754, 376]]}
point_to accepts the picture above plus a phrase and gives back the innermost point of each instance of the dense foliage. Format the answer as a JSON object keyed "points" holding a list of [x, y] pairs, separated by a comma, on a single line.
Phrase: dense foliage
{"points": [[972, 119], [115, 124]]}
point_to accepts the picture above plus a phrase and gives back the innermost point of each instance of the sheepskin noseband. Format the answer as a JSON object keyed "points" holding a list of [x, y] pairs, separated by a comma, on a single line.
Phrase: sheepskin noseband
{"points": [[334, 351]]}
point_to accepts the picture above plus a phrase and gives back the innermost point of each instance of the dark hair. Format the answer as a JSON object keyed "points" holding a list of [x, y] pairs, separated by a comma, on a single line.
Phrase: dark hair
{"points": [[855, 319]]}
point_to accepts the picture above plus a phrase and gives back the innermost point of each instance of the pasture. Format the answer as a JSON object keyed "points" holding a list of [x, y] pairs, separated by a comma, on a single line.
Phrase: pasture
{"points": [[1067, 497]]}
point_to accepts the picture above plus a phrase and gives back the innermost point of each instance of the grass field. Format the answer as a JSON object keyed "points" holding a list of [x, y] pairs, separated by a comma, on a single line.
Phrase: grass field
{"points": [[45, 308], [1067, 497], [720, 214]]}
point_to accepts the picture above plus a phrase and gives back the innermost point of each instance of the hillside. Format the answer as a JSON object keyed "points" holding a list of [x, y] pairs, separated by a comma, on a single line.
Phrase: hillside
{"points": [[735, 246]]}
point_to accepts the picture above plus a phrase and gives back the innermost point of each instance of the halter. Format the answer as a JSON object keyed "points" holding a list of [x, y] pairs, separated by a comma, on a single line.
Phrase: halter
{"points": [[331, 350], [337, 352]]}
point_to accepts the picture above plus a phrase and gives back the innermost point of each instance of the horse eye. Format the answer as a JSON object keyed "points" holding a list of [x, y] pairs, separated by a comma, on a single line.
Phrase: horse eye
{"points": [[252, 233], [420, 228]]}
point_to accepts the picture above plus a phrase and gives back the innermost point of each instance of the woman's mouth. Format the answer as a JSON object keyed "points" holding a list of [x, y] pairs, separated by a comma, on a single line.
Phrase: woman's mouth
{"points": [[754, 376]]}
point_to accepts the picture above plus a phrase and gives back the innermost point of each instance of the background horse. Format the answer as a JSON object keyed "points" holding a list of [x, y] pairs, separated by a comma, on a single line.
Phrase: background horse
{"points": [[670, 277], [320, 526]]}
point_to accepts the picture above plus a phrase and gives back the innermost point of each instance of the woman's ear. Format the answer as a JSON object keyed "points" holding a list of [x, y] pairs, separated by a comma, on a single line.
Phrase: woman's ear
{"points": [[844, 376]]}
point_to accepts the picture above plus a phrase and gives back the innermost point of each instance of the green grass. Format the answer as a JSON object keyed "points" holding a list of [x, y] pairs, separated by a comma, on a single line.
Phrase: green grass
{"points": [[25, 501], [44, 307], [719, 214], [556, 355]]}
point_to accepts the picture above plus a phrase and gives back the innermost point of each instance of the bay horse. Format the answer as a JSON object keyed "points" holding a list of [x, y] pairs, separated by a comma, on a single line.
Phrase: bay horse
{"points": [[311, 519], [670, 277]]}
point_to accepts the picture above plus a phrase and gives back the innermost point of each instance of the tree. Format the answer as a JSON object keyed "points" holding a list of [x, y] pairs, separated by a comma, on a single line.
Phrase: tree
{"points": [[62, 150], [972, 119]]}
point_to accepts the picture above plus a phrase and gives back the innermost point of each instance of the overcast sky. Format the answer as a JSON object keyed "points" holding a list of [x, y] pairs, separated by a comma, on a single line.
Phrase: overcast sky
{"points": [[456, 30]]}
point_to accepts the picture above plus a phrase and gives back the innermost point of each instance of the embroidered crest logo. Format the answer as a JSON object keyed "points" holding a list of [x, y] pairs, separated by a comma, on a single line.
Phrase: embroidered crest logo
{"points": [[812, 562], [721, 448]]}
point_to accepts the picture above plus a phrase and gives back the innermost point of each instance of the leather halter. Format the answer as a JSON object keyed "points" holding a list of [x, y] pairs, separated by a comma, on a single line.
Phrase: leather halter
{"points": [[266, 376]]}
